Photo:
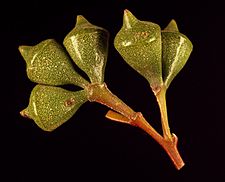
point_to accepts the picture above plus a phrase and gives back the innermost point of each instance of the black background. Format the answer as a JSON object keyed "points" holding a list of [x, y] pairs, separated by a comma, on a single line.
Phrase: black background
{"points": [[90, 147]]}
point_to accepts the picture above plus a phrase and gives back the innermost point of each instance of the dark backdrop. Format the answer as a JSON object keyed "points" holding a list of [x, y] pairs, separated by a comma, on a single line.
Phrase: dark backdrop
{"points": [[91, 147]]}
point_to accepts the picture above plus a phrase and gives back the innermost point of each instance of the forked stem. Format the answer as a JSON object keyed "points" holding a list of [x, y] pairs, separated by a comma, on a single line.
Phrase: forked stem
{"points": [[101, 94], [170, 146]]}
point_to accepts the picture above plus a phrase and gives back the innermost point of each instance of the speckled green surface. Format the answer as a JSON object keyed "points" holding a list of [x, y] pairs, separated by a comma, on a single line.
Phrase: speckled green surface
{"points": [[176, 49], [48, 63], [87, 45], [139, 43], [157, 55], [51, 106]]}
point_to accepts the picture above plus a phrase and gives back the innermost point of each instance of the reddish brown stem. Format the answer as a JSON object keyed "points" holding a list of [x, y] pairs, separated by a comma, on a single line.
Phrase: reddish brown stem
{"points": [[101, 94], [170, 146]]}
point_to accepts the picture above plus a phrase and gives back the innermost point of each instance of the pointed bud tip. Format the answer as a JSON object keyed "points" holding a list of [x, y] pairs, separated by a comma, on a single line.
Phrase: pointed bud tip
{"points": [[81, 20], [25, 114], [24, 51], [129, 19], [172, 26], [126, 11]]}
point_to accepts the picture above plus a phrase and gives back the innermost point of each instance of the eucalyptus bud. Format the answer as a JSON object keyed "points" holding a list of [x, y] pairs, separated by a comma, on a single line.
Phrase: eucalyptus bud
{"points": [[87, 45], [139, 43], [176, 49], [48, 63], [51, 106]]}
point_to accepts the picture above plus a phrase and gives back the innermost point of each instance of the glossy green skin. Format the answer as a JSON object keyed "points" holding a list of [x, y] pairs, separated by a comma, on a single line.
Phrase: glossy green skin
{"points": [[87, 45], [139, 43], [50, 106], [157, 55], [48, 63], [176, 49]]}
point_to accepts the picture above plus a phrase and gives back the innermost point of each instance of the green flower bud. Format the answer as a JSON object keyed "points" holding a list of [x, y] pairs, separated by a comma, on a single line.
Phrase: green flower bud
{"points": [[139, 43], [176, 49], [48, 63], [87, 45], [51, 106]]}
